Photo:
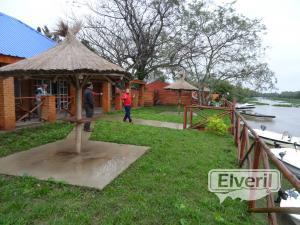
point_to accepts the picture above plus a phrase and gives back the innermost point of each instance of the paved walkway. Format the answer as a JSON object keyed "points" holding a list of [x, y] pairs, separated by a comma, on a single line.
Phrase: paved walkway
{"points": [[153, 123]]}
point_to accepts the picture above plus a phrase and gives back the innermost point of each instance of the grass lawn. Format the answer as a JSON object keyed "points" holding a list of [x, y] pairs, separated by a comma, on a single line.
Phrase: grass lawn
{"points": [[168, 114], [25, 139], [168, 185]]}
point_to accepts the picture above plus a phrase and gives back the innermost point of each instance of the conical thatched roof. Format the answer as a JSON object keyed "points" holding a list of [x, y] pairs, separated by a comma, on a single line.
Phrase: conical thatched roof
{"points": [[181, 84], [67, 58]]}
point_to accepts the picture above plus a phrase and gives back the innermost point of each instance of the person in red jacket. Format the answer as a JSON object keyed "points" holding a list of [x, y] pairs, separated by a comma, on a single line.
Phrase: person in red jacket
{"points": [[127, 101]]}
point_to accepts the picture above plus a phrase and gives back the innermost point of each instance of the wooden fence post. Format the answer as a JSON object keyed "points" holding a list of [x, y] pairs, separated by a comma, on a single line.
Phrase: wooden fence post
{"points": [[237, 130], [243, 143], [191, 116], [184, 117], [257, 151]]}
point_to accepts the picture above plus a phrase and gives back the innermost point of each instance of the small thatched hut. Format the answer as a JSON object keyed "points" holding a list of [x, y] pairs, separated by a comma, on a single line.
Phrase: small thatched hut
{"points": [[179, 86], [70, 60]]}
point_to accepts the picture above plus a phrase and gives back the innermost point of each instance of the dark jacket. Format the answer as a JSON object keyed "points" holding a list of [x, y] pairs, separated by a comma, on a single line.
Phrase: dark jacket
{"points": [[88, 98]]}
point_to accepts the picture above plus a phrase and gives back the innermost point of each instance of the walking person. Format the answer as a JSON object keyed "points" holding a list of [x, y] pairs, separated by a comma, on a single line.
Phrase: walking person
{"points": [[88, 97], [127, 101]]}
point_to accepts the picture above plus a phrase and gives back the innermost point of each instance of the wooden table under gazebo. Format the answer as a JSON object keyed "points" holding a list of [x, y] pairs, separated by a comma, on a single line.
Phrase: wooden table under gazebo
{"points": [[69, 60], [179, 86]]}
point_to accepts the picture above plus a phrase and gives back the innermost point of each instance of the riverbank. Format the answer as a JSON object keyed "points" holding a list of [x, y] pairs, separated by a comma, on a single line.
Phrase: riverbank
{"points": [[292, 101]]}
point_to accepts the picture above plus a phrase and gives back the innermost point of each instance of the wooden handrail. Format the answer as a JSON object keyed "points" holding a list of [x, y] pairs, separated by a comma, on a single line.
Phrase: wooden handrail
{"points": [[244, 149]]}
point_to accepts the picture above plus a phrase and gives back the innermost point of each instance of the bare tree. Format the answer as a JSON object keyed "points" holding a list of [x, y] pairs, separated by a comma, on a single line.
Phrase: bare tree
{"points": [[226, 46], [140, 35]]}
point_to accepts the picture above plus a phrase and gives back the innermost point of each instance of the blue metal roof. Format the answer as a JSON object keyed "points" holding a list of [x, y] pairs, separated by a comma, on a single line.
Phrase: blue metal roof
{"points": [[19, 39]]}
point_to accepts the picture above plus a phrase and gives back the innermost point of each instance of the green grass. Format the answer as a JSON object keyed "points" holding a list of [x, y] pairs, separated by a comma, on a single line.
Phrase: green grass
{"points": [[168, 185], [169, 114], [27, 138]]}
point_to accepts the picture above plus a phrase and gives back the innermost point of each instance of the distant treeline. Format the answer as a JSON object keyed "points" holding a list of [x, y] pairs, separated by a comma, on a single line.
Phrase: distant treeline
{"points": [[284, 94], [225, 88]]}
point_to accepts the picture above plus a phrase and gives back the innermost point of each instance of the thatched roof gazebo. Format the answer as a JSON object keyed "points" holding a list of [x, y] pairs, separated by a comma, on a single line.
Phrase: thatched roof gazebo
{"points": [[179, 86], [69, 60]]}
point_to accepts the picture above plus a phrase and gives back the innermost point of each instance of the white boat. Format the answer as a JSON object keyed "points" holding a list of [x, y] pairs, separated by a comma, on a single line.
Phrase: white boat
{"points": [[290, 157], [274, 138], [293, 200], [245, 106]]}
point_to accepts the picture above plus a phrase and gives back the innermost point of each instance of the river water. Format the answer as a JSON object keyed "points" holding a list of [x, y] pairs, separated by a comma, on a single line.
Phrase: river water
{"points": [[287, 118]]}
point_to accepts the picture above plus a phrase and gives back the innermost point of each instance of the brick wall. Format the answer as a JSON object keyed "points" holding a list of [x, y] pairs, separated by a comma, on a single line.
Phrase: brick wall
{"points": [[49, 109], [149, 98], [168, 97], [7, 104]]}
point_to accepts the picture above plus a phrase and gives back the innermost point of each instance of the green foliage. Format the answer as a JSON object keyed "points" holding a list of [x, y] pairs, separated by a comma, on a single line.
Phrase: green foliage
{"points": [[216, 125], [31, 137], [229, 90]]}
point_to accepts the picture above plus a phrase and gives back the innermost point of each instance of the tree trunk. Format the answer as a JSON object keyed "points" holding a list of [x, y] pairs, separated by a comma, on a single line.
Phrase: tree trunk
{"points": [[78, 134]]}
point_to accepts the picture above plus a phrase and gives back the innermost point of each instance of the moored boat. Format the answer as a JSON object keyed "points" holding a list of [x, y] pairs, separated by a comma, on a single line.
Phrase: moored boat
{"points": [[257, 115], [292, 200], [273, 138], [245, 106], [290, 158]]}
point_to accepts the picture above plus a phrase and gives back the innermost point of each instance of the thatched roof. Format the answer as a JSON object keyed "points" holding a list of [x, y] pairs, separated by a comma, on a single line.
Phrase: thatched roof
{"points": [[181, 84], [70, 57]]}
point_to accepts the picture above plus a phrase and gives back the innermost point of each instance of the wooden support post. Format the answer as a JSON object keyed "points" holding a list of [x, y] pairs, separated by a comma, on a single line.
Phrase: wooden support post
{"points": [[72, 93], [106, 97], [243, 143], [191, 117], [270, 200], [237, 130], [233, 116], [257, 151], [78, 129], [184, 117]]}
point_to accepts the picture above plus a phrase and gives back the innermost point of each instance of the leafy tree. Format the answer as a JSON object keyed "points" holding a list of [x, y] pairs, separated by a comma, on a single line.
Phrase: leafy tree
{"points": [[52, 35], [225, 46]]}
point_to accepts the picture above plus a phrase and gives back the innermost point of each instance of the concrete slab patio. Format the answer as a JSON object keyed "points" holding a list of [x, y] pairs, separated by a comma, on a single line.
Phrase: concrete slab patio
{"points": [[97, 165]]}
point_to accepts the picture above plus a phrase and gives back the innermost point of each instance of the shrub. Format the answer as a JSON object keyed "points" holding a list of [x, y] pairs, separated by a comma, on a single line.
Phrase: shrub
{"points": [[216, 125]]}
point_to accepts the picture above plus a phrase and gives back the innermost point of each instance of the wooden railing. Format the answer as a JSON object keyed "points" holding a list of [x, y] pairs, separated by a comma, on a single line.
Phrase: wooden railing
{"points": [[27, 108], [251, 153]]}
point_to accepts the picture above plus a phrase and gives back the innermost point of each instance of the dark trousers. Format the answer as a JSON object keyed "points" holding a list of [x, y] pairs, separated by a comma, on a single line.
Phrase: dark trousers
{"points": [[89, 112], [127, 113]]}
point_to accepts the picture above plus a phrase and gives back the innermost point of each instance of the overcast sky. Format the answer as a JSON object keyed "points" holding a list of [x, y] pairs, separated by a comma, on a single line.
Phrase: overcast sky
{"points": [[281, 17]]}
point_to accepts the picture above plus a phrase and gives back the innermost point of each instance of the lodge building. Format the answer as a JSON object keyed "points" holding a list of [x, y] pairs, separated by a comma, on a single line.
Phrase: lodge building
{"points": [[17, 95]]}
